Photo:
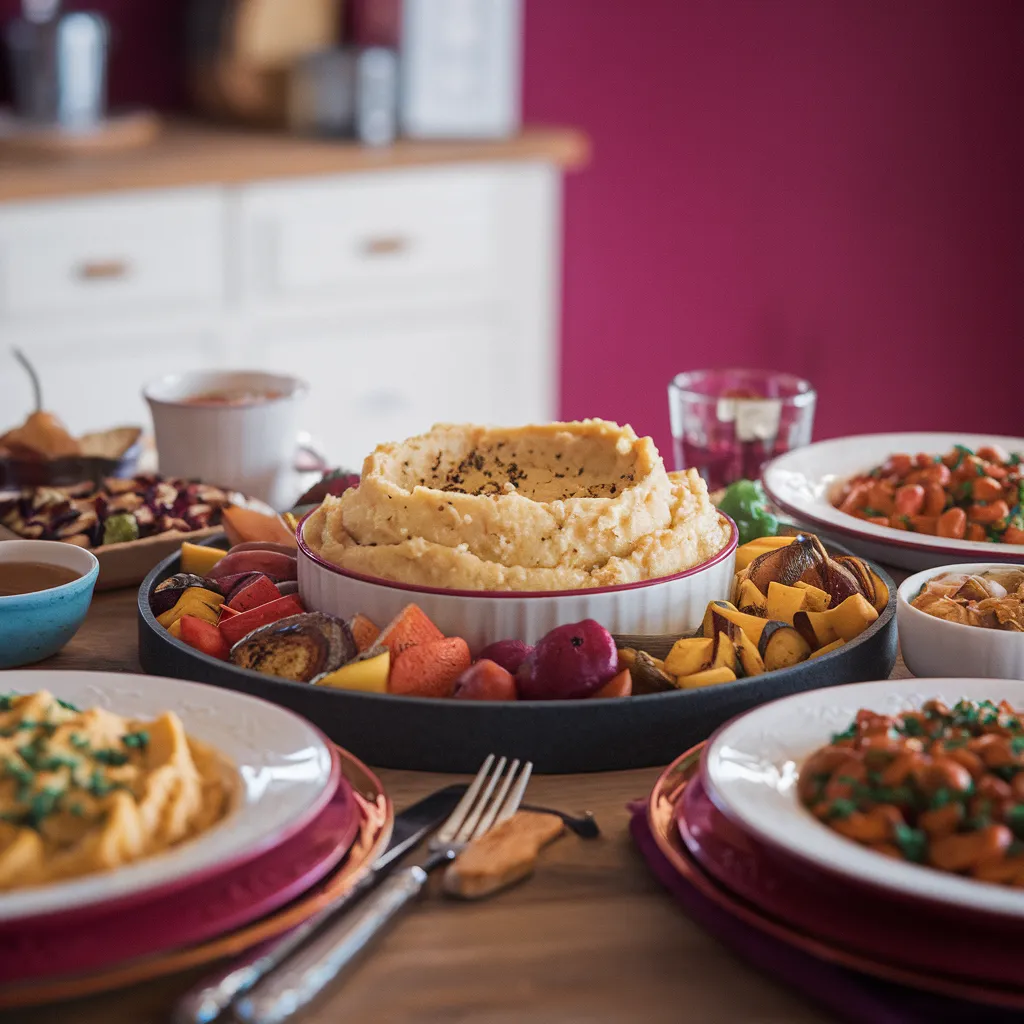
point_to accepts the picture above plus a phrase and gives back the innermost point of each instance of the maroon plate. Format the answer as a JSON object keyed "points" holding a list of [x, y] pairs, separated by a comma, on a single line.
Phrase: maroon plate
{"points": [[217, 905], [916, 936]]}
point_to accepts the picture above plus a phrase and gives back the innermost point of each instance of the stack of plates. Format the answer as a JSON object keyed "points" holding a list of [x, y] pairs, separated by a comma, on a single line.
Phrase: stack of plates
{"points": [[307, 821], [777, 884]]}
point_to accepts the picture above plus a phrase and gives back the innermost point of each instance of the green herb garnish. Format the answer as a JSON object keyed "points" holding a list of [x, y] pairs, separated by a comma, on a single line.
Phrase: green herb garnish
{"points": [[138, 740], [913, 843], [114, 758], [841, 809]]}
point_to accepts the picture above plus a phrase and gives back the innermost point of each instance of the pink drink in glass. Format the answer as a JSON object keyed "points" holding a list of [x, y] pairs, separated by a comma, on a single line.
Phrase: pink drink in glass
{"points": [[727, 424]]}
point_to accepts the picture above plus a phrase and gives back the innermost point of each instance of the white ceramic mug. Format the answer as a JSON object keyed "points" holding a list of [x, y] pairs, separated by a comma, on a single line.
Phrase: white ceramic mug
{"points": [[248, 446]]}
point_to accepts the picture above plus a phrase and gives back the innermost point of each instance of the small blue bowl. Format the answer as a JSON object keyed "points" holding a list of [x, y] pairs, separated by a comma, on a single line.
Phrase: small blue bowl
{"points": [[36, 626]]}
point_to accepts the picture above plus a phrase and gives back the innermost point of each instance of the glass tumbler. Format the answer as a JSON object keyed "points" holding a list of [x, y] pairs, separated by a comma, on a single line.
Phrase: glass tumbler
{"points": [[727, 424]]}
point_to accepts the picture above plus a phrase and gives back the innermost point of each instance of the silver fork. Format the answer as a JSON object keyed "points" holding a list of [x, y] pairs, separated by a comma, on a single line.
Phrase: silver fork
{"points": [[493, 797]]}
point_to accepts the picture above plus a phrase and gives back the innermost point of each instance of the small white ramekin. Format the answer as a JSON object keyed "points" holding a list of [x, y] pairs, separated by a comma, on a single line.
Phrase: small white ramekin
{"points": [[934, 647], [671, 605]]}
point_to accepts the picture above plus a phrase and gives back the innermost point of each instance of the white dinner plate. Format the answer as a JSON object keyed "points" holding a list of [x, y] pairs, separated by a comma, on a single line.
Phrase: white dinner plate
{"points": [[281, 766], [751, 766], [803, 483]]}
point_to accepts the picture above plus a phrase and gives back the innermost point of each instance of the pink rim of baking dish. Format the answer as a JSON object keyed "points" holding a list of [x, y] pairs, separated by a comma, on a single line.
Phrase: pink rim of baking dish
{"points": [[417, 588]]}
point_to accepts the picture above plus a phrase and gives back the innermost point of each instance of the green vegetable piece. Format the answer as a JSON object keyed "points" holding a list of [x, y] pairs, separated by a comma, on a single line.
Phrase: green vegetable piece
{"points": [[139, 740], [120, 528], [913, 843], [1014, 819], [745, 503], [841, 809], [114, 758]]}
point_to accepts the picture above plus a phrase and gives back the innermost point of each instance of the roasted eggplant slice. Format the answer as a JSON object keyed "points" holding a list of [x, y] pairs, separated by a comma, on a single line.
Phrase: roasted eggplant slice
{"points": [[781, 646], [165, 595], [750, 600], [646, 673], [747, 654], [299, 647], [860, 572], [720, 613], [881, 591], [804, 559], [724, 652]]}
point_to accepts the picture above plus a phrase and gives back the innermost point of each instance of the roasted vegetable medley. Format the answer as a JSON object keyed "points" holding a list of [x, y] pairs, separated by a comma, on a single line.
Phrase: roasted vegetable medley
{"points": [[113, 512], [940, 786], [977, 496], [792, 601]]}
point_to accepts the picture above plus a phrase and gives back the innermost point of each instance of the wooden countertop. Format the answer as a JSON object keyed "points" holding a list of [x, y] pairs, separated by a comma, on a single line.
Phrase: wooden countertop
{"points": [[190, 153], [592, 937]]}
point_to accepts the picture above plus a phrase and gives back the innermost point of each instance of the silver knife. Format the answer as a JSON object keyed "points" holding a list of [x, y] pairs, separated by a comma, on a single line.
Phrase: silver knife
{"points": [[211, 997]]}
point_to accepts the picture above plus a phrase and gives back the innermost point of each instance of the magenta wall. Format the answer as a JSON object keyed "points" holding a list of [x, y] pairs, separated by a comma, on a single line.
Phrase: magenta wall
{"points": [[833, 187]]}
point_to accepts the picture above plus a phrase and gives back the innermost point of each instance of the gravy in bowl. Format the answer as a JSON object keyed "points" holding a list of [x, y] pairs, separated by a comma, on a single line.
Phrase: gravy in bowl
{"points": [[31, 577]]}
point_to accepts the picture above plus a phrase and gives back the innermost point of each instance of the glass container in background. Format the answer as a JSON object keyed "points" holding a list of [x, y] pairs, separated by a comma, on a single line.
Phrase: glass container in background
{"points": [[727, 424]]}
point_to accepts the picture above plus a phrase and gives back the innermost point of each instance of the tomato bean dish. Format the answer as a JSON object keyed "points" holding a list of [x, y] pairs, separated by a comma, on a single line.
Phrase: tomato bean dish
{"points": [[942, 787], [964, 495]]}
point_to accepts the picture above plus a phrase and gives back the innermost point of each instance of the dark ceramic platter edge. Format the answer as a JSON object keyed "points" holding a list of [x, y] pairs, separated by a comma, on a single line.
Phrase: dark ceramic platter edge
{"points": [[562, 737]]}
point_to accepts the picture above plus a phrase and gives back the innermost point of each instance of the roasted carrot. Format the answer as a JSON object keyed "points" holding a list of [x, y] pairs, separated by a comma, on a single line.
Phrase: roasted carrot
{"points": [[993, 512], [952, 523], [909, 499], [985, 488]]}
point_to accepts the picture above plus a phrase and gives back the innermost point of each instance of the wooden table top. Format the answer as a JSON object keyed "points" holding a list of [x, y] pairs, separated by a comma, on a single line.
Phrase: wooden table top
{"points": [[592, 937]]}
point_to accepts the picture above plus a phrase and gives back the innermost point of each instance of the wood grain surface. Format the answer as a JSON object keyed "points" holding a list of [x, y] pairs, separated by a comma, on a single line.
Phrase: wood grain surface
{"points": [[590, 938], [191, 153]]}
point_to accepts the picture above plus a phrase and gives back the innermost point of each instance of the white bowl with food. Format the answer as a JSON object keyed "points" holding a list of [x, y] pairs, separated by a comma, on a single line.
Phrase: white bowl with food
{"points": [[964, 620], [810, 485], [501, 533]]}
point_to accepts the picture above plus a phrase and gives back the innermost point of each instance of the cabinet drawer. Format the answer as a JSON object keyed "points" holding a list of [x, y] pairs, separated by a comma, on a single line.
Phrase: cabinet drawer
{"points": [[365, 236], [104, 255]]}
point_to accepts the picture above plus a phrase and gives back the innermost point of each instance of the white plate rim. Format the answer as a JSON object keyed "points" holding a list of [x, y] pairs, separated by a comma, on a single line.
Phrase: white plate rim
{"points": [[768, 807], [803, 493], [280, 788]]}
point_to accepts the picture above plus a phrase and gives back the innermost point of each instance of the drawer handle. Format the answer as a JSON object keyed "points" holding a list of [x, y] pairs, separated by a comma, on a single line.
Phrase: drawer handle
{"points": [[103, 270], [385, 245]]}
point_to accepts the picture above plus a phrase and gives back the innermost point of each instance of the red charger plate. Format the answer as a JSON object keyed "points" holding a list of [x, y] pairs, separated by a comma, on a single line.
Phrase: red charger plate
{"points": [[109, 935], [662, 815], [914, 935]]}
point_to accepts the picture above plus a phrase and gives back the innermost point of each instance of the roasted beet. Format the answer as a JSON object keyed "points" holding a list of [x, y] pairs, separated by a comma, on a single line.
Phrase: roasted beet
{"points": [[509, 654], [571, 661]]}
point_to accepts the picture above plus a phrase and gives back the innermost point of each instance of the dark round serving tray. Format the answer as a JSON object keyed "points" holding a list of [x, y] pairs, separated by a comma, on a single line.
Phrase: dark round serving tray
{"points": [[558, 736]]}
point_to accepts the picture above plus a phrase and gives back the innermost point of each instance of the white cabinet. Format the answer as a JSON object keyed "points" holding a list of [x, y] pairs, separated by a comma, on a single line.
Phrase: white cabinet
{"points": [[93, 378], [405, 297], [387, 383], [111, 256]]}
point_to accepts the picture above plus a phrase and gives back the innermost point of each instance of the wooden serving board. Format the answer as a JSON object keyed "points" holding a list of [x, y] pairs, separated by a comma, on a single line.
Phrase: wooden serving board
{"points": [[126, 565]]}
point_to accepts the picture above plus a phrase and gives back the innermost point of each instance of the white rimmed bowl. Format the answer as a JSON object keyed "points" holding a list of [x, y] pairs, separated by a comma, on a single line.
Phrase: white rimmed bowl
{"points": [[670, 605], [280, 766], [803, 483], [934, 647], [751, 767]]}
